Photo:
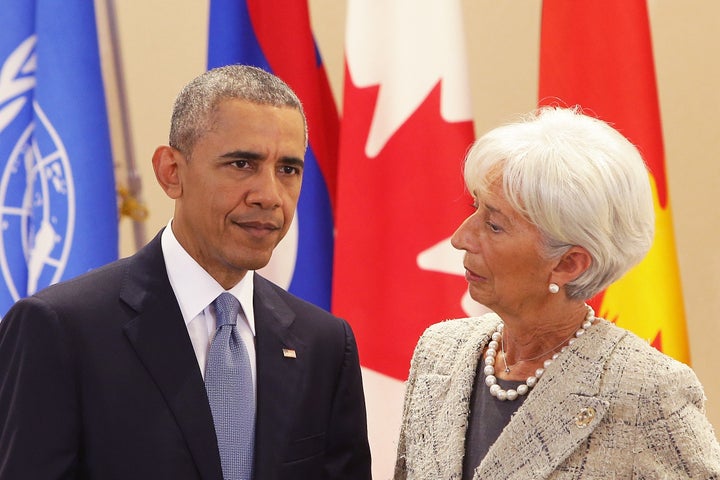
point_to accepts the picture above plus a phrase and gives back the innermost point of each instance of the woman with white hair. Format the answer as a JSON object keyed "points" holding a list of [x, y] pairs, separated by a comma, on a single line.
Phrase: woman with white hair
{"points": [[542, 388]]}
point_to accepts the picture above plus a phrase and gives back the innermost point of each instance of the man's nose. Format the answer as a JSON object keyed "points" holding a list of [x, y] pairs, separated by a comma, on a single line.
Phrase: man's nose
{"points": [[265, 190]]}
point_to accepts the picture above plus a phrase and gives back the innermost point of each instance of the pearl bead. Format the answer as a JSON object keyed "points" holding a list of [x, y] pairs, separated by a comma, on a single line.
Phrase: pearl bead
{"points": [[524, 388]]}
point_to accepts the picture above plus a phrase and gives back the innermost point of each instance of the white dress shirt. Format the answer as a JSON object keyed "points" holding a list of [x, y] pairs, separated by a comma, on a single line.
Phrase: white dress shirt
{"points": [[195, 290]]}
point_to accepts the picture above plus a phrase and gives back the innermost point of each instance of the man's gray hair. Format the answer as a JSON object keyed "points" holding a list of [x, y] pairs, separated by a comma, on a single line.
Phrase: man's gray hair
{"points": [[196, 102]]}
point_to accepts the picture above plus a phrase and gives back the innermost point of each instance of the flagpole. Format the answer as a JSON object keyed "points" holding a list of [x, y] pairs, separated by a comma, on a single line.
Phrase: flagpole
{"points": [[131, 202]]}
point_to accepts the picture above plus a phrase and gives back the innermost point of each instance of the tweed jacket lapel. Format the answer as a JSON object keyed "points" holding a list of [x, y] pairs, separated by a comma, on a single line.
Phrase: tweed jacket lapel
{"points": [[440, 400], [449, 396], [160, 339], [561, 412]]}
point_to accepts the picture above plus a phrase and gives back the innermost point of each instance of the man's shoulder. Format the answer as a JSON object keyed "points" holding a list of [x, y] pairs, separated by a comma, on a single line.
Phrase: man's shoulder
{"points": [[306, 318], [110, 275], [265, 287], [88, 282]]}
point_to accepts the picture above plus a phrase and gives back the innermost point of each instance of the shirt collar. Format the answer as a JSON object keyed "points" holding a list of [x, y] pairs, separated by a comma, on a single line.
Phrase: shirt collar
{"points": [[194, 287]]}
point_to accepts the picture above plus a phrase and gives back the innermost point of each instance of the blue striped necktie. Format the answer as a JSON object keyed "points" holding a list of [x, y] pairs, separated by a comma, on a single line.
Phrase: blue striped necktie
{"points": [[229, 385]]}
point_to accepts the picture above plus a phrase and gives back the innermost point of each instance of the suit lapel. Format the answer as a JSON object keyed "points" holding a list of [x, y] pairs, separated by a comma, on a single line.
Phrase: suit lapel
{"points": [[278, 375], [160, 339], [561, 412]]}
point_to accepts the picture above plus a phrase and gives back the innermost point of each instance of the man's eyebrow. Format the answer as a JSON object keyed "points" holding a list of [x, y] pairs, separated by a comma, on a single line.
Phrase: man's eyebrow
{"points": [[242, 154], [293, 161], [248, 155]]}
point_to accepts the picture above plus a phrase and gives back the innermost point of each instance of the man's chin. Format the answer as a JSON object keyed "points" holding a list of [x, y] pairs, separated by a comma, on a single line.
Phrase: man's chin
{"points": [[255, 262]]}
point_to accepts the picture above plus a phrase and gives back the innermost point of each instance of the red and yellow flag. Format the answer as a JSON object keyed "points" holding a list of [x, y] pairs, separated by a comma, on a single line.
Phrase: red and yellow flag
{"points": [[599, 55]]}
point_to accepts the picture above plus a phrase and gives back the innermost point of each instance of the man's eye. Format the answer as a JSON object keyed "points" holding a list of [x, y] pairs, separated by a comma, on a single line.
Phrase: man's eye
{"points": [[241, 163], [290, 170]]}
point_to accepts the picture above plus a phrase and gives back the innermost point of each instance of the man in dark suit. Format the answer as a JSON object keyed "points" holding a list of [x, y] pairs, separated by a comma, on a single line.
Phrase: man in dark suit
{"points": [[102, 377]]}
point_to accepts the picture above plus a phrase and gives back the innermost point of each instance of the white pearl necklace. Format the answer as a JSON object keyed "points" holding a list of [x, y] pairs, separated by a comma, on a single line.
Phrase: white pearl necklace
{"points": [[522, 389]]}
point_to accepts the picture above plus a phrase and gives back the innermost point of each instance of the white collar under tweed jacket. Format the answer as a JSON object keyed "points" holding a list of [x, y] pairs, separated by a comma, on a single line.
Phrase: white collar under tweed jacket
{"points": [[610, 407]]}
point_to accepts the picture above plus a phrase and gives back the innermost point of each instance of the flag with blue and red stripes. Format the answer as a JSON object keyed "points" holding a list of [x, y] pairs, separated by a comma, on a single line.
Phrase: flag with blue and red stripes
{"points": [[251, 32]]}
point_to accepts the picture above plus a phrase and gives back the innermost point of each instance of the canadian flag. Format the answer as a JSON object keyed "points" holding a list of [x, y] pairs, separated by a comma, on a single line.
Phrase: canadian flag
{"points": [[406, 126]]}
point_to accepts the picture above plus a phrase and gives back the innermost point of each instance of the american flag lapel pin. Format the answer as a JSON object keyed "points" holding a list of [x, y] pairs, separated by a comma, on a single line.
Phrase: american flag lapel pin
{"points": [[289, 353]]}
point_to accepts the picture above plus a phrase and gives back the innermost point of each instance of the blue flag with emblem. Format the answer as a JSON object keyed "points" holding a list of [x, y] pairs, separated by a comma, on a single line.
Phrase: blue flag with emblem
{"points": [[58, 212], [252, 32]]}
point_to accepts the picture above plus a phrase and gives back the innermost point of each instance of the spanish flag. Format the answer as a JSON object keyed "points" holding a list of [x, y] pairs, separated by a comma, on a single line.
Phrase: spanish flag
{"points": [[599, 55]]}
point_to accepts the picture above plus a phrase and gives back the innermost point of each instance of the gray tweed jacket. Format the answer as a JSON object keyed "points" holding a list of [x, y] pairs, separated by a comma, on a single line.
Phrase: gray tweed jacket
{"points": [[610, 407]]}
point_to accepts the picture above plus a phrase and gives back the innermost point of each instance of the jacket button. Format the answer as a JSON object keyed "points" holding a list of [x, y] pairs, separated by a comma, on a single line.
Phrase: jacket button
{"points": [[584, 417]]}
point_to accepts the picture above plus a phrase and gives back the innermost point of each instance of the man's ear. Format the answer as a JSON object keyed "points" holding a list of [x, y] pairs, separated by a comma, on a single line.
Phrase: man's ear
{"points": [[166, 164], [571, 265]]}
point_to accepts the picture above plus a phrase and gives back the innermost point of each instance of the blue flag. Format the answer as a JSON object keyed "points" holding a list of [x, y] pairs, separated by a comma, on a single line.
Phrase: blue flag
{"points": [[275, 35], [58, 209]]}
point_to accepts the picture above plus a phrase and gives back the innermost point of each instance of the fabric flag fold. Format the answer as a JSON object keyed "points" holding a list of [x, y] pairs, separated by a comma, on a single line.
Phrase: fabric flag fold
{"points": [[58, 207], [252, 32], [599, 55], [406, 125]]}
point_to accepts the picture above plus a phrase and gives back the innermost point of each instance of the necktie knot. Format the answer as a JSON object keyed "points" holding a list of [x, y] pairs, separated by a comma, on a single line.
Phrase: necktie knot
{"points": [[227, 308]]}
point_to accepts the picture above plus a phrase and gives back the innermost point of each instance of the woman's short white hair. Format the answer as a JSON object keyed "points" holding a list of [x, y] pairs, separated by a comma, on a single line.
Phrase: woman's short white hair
{"points": [[579, 181]]}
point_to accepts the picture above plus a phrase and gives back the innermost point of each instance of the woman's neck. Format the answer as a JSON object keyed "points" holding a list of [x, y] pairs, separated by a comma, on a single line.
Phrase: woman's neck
{"points": [[529, 340]]}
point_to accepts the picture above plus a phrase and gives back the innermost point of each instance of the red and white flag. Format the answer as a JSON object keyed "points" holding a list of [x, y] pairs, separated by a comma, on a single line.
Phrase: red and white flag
{"points": [[406, 126]]}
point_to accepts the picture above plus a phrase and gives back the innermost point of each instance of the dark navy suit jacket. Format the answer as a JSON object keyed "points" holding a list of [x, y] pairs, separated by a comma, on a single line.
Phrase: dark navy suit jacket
{"points": [[99, 380]]}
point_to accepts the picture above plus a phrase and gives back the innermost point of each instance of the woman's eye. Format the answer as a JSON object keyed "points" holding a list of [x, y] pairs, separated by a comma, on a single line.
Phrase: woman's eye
{"points": [[493, 227]]}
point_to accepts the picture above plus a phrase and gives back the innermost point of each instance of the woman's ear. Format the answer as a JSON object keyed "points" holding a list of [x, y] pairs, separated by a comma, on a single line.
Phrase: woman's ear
{"points": [[166, 164], [571, 265]]}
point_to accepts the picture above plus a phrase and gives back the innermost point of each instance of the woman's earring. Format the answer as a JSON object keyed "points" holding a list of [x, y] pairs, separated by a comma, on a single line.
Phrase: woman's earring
{"points": [[553, 288]]}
